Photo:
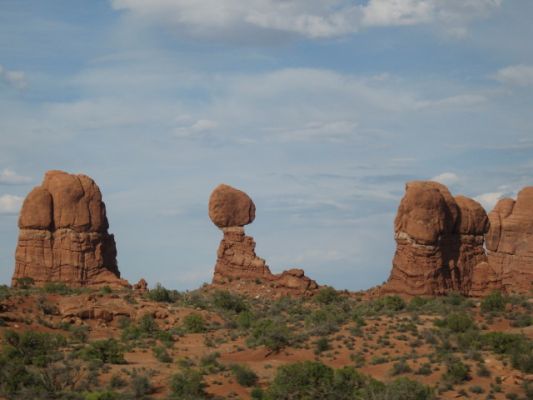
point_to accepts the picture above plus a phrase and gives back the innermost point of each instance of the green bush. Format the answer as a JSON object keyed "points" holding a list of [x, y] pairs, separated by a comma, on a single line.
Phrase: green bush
{"points": [[493, 302], [161, 354], [106, 351], [457, 322], [457, 372], [188, 385], [327, 295], [406, 389], [400, 367], [163, 295], [244, 375], [194, 323], [32, 347], [25, 282], [322, 344], [57, 288], [274, 335], [225, 300]]}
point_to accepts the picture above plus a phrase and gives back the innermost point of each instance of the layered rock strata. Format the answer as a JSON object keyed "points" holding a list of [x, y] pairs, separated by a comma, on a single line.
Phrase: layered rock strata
{"points": [[63, 235], [230, 209], [509, 242], [439, 243]]}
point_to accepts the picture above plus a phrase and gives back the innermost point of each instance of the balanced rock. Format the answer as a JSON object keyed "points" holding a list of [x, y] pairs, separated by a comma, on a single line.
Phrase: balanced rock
{"points": [[509, 242], [230, 209], [63, 235], [439, 242]]}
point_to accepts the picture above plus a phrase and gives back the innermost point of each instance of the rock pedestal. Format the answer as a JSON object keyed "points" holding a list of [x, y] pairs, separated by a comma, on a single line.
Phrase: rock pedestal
{"points": [[230, 209]]}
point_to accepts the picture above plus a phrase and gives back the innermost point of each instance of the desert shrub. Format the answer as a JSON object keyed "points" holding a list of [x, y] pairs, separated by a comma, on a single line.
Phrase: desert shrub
{"points": [[57, 288], [493, 302], [140, 386], [210, 364], [456, 371], [194, 323], [323, 322], [106, 351], [400, 367], [302, 380], [321, 345], [275, 335], [146, 327], [188, 385], [227, 301], [161, 354], [79, 333], [309, 380], [106, 290], [163, 295], [32, 347], [456, 322], [327, 295], [257, 393], [25, 282], [245, 320], [522, 321], [405, 389], [106, 395], [424, 369], [244, 375]]}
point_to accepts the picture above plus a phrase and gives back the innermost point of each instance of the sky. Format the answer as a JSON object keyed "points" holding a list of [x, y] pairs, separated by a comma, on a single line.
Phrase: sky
{"points": [[320, 110]]}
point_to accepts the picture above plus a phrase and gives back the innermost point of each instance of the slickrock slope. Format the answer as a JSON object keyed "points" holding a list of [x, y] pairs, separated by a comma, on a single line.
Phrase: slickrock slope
{"points": [[63, 235], [509, 242], [439, 243], [237, 264]]}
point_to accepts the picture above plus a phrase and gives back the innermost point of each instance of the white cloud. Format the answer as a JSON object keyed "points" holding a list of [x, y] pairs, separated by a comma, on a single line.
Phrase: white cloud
{"points": [[462, 100], [489, 200], [308, 18], [10, 204], [17, 79], [198, 128], [10, 177], [520, 75], [446, 178]]}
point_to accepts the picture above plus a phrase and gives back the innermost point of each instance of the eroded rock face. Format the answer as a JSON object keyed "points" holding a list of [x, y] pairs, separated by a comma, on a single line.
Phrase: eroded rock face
{"points": [[509, 242], [237, 261], [63, 235], [439, 242]]}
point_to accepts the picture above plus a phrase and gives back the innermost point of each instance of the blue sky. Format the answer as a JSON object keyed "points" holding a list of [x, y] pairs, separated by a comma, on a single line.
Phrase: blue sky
{"points": [[320, 110]]}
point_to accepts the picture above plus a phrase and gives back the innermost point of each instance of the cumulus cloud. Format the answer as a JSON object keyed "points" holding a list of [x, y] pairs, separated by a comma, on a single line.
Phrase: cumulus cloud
{"points": [[519, 75], [446, 178], [10, 177], [10, 204], [16, 79], [489, 200], [308, 18]]}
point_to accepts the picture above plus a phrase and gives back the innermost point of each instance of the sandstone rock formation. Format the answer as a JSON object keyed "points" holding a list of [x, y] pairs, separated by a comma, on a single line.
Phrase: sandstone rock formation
{"points": [[64, 235], [230, 209], [509, 242], [439, 243]]}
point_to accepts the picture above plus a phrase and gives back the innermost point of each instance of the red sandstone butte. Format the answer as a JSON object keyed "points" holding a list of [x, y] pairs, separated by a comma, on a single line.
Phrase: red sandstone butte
{"points": [[509, 242], [439, 244], [63, 235], [230, 209]]}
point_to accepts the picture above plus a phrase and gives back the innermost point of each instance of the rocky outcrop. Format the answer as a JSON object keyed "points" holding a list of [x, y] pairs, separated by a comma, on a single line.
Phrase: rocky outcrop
{"points": [[230, 209], [439, 242], [63, 235], [509, 242]]}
